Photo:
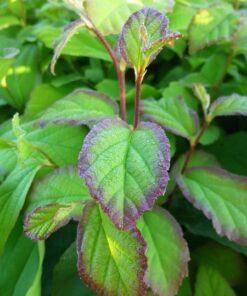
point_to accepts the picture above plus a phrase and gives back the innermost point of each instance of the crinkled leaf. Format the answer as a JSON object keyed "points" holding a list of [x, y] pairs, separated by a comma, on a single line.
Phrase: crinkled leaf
{"points": [[125, 170], [143, 36], [13, 193], [167, 251], [222, 198], [68, 32], [110, 15], [66, 280], [211, 25], [231, 105], [21, 265], [172, 114], [80, 107], [110, 261], [54, 201], [210, 282]]}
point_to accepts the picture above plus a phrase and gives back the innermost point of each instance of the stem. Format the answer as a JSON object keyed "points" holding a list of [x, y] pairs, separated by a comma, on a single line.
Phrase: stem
{"points": [[193, 145], [138, 83], [120, 73]]}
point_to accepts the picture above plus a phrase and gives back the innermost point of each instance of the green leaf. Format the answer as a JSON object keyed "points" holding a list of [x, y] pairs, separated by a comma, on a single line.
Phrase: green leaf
{"points": [[240, 37], [7, 21], [143, 36], [21, 265], [54, 201], [37, 104], [211, 25], [210, 282], [13, 193], [109, 16], [7, 57], [66, 280], [110, 261], [82, 44], [23, 76], [201, 93], [125, 170], [68, 32], [167, 251], [173, 115], [227, 262], [222, 198], [211, 135], [80, 107], [231, 105]]}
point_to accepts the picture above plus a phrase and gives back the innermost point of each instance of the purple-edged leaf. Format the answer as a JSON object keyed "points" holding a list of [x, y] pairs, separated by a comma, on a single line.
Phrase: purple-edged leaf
{"points": [[173, 115], [125, 170], [110, 261], [54, 201], [167, 251], [231, 105], [80, 107], [68, 32], [143, 36], [221, 196]]}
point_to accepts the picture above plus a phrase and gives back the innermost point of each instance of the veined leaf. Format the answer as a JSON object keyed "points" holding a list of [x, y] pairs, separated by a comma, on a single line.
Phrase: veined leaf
{"points": [[110, 261], [21, 265], [80, 107], [173, 115], [167, 251], [54, 201], [210, 282], [211, 25], [125, 170], [13, 193], [66, 280], [231, 105], [109, 16], [222, 198], [143, 36]]}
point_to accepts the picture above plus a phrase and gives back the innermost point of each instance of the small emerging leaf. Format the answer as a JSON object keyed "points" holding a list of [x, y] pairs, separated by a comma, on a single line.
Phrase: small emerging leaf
{"points": [[110, 261], [201, 93], [125, 170], [143, 36]]}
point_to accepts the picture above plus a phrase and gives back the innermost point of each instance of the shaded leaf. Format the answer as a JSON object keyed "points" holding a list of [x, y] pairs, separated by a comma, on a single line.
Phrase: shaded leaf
{"points": [[210, 282], [110, 261], [222, 198], [7, 56], [21, 265], [125, 170], [167, 251]]}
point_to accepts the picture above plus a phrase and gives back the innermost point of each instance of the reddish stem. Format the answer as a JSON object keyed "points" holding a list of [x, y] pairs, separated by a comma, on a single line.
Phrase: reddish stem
{"points": [[120, 73], [138, 84]]}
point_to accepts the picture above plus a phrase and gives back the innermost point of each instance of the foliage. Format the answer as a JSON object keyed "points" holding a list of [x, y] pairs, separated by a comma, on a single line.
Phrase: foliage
{"points": [[152, 172]]}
